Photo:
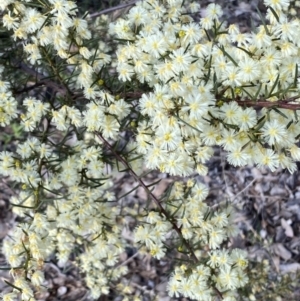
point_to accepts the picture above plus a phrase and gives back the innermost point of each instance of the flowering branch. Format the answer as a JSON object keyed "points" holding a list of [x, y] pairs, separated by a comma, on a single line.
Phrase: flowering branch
{"points": [[154, 198], [156, 201]]}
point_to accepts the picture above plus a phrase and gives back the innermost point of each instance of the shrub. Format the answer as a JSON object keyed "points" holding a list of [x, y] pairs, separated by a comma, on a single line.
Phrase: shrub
{"points": [[160, 96]]}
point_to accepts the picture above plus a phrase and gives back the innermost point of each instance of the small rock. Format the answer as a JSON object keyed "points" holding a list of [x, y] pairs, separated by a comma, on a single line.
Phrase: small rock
{"points": [[61, 291], [150, 284], [282, 251], [286, 226], [288, 268], [263, 233], [277, 191]]}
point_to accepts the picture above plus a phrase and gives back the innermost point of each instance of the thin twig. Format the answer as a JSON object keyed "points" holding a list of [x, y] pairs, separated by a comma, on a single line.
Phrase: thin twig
{"points": [[128, 260], [111, 9], [245, 188], [29, 88]]}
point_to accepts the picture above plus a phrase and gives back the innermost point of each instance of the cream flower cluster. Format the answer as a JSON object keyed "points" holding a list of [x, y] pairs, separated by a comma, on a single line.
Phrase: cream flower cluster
{"points": [[201, 78], [205, 229], [61, 214], [224, 268]]}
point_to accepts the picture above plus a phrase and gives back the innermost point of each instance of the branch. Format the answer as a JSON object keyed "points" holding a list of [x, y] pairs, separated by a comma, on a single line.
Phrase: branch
{"points": [[41, 80], [26, 89], [282, 104], [111, 9], [156, 201], [260, 103]]}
